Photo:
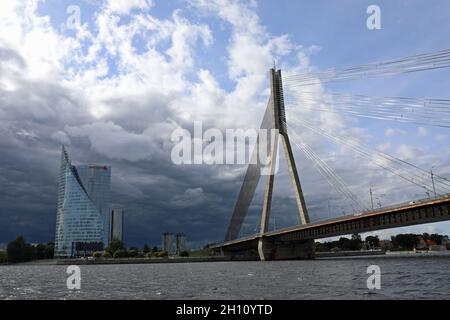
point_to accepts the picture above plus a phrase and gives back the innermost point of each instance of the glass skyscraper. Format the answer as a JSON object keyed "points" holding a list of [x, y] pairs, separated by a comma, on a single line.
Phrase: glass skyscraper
{"points": [[81, 202], [97, 182]]}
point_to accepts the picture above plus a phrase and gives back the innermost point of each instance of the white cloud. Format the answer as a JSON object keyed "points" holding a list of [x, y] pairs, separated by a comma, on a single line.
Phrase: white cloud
{"points": [[441, 137], [390, 132], [422, 132], [406, 152], [125, 6], [384, 146]]}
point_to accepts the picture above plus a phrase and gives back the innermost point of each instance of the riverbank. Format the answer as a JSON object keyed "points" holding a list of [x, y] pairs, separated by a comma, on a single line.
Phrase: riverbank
{"points": [[140, 260], [103, 261], [338, 254], [319, 256]]}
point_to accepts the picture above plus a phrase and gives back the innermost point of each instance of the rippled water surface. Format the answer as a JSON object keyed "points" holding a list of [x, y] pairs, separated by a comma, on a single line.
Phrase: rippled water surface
{"points": [[418, 277]]}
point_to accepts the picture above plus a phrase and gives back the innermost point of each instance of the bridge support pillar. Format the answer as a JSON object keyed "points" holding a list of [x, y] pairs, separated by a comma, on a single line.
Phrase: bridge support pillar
{"points": [[265, 249], [298, 250]]}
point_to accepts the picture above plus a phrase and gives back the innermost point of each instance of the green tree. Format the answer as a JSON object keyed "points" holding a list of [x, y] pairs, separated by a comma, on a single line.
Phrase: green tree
{"points": [[115, 245], [155, 249], [97, 254], [3, 257], [162, 254], [40, 251], [16, 250], [146, 249], [405, 241], [106, 254], [373, 240], [49, 250], [356, 242], [184, 254], [344, 243], [120, 253], [133, 253], [30, 253]]}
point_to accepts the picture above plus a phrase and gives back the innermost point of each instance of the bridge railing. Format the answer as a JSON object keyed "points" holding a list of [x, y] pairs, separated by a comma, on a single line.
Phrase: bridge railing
{"points": [[398, 205]]}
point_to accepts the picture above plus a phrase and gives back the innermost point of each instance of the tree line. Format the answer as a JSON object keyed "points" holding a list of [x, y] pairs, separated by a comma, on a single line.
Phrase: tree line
{"points": [[411, 241], [344, 244], [116, 249], [19, 250], [401, 241]]}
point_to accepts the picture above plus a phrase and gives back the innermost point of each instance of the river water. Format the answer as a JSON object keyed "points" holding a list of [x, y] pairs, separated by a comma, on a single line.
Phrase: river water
{"points": [[402, 277]]}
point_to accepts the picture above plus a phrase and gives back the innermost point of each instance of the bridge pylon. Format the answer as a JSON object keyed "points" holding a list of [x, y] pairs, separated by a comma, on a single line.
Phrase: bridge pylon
{"points": [[278, 111], [275, 119]]}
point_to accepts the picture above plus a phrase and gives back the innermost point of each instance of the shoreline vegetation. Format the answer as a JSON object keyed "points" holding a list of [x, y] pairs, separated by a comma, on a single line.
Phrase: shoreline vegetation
{"points": [[21, 253], [374, 254]]}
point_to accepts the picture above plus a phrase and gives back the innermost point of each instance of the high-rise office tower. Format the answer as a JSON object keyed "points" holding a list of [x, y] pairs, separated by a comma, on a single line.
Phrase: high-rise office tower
{"points": [[116, 217], [97, 182], [77, 218], [181, 243], [167, 243], [79, 222]]}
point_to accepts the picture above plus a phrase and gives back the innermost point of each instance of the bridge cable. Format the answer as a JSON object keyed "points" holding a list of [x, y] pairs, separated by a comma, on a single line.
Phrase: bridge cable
{"points": [[430, 112], [442, 185], [329, 174], [415, 63]]}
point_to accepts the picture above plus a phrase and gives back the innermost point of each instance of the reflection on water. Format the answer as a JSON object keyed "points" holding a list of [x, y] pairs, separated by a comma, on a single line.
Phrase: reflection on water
{"points": [[406, 277]]}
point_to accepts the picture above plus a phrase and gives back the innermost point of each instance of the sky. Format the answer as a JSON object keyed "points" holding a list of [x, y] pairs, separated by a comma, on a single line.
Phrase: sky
{"points": [[114, 85]]}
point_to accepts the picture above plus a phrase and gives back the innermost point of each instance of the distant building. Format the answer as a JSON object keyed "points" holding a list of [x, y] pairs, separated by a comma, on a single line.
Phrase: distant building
{"points": [[116, 220], [421, 243], [181, 243], [431, 243], [79, 222], [433, 246], [168, 244]]}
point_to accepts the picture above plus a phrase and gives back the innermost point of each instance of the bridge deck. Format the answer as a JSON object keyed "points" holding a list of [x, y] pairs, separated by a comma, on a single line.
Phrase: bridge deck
{"points": [[413, 213]]}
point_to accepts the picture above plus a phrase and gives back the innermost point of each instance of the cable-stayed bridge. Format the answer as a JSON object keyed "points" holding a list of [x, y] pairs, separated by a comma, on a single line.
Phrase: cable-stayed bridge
{"points": [[298, 89]]}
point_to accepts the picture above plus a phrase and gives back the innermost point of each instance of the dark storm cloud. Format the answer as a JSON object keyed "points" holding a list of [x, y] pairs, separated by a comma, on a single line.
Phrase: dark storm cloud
{"points": [[39, 113], [158, 196]]}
